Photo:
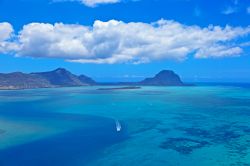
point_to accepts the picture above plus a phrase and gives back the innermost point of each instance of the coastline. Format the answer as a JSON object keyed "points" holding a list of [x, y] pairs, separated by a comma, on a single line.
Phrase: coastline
{"points": [[121, 88]]}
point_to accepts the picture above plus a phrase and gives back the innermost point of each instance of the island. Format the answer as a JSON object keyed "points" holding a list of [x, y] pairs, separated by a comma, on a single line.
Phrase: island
{"points": [[121, 88], [163, 78], [56, 78], [63, 78]]}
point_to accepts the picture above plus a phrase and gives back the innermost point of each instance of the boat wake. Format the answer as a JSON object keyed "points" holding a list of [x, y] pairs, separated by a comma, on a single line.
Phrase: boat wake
{"points": [[118, 126]]}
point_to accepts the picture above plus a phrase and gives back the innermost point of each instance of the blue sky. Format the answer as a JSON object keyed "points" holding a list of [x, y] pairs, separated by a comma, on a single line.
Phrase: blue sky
{"points": [[200, 40]]}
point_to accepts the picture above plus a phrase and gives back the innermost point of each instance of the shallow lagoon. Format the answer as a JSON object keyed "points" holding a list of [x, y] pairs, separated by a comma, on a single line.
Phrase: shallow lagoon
{"points": [[187, 126]]}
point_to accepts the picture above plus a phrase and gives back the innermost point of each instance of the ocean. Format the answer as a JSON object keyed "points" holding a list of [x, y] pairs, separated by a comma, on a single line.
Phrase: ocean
{"points": [[153, 126]]}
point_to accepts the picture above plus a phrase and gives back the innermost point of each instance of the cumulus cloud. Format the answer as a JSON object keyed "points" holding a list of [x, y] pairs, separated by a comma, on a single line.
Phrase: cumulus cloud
{"points": [[91, 3], [6, 35], [135, 42], [5, 31]]}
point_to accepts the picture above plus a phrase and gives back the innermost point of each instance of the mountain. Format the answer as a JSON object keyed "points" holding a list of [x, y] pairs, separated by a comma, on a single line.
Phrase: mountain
{"points": [[56, 78], [87, 80], [63, 78], [163, 78], [20, 80]]}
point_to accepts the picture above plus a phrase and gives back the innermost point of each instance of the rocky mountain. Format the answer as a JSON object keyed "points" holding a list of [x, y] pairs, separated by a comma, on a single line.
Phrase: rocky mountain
{"points": [[56, 78], [87, 80], [60, 77], [163, 78], [63, 78], [20, 80]]}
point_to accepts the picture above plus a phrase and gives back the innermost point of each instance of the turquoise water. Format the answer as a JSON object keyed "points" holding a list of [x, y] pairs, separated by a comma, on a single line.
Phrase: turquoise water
{"points": [[165, 126]]}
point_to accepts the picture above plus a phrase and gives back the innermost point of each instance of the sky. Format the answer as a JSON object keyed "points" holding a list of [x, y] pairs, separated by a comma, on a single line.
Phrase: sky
{"points": [[127, 40]]}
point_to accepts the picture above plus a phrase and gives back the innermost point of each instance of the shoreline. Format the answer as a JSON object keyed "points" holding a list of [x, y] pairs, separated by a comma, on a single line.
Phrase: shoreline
{"points": [[102, 85], [120, 88]]}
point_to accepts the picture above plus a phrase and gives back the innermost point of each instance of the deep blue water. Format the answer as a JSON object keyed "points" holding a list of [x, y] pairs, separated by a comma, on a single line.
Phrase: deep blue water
{"points": [[187, 126], [69, 148]]}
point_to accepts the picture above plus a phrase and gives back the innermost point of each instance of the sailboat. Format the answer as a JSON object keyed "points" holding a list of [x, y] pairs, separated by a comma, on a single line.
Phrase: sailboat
{"points": [[118, 126]]}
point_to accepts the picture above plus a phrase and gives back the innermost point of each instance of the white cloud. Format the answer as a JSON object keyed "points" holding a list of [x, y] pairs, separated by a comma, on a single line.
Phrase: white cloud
{"points": [[134, 42], [47, 40], [218, 51], [5, 31], [91, 3], [6, 34]]}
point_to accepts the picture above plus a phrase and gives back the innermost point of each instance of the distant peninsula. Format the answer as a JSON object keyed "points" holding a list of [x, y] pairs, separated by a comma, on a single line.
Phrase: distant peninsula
{"points": [[121, 88], [63, 78]]}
